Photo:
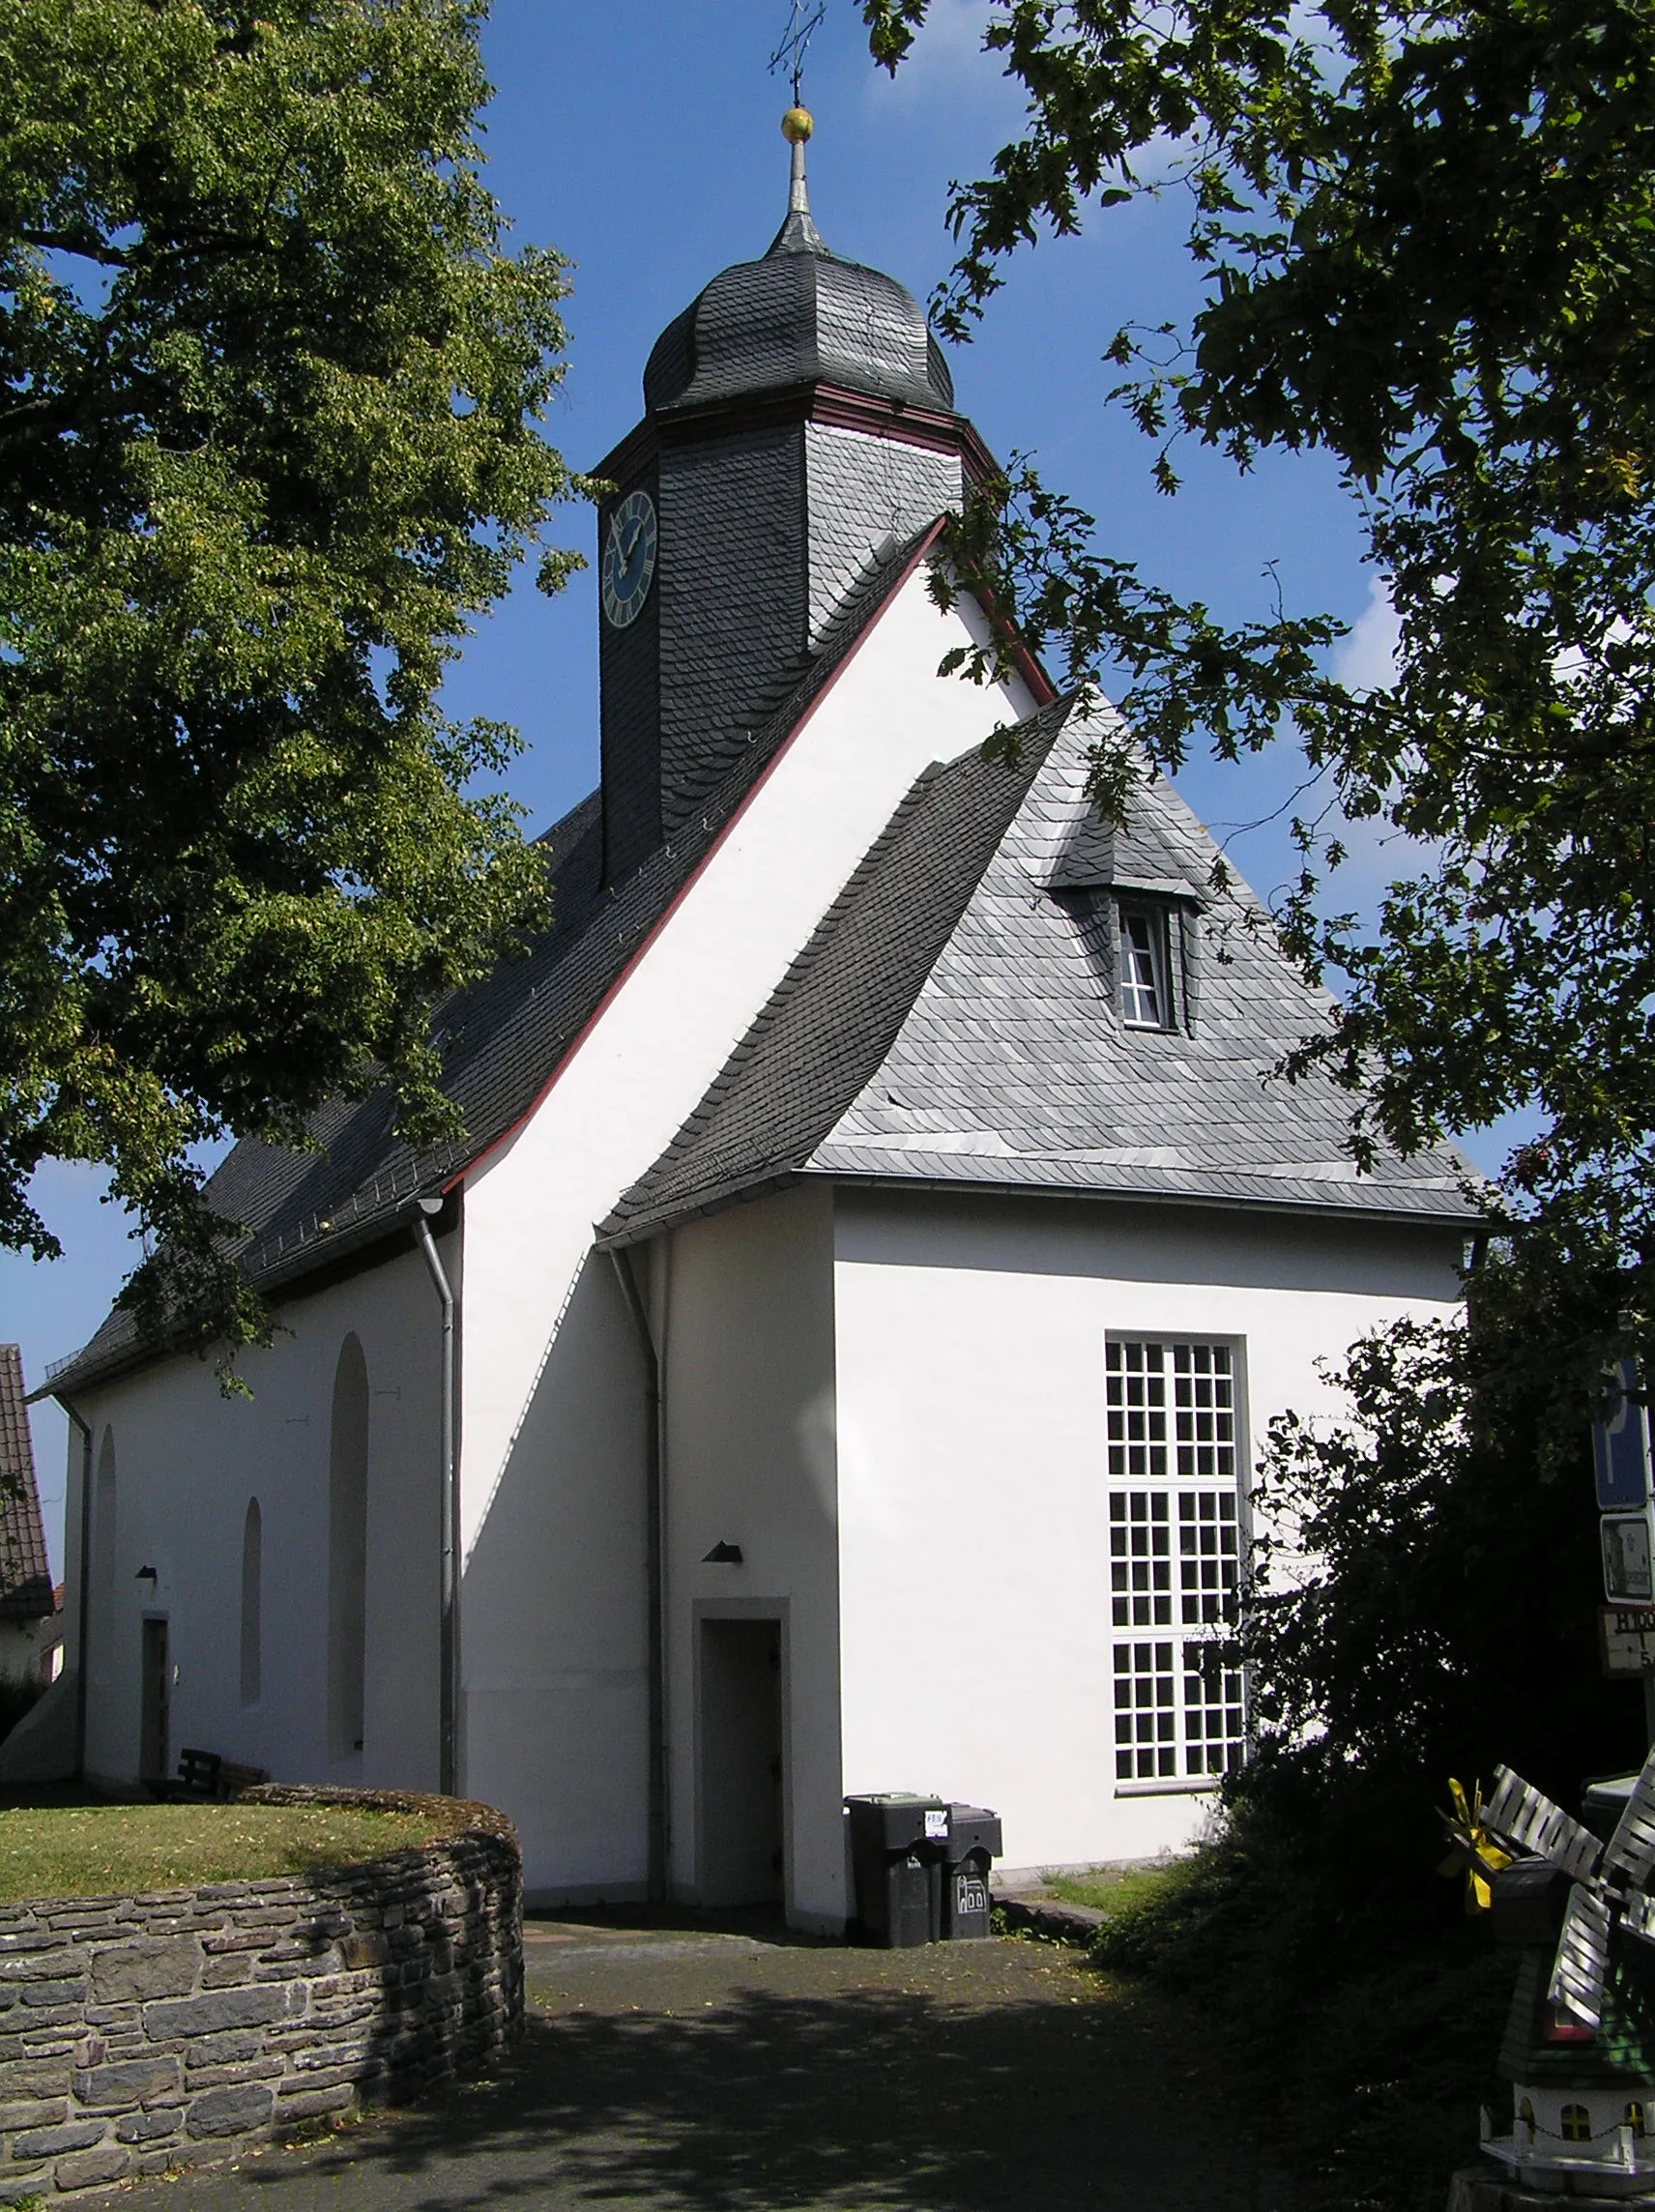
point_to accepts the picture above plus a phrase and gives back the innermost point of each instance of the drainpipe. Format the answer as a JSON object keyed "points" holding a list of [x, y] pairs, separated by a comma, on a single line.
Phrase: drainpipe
{"points": [[448, 1764], [84, 1579], [656, 1781]]}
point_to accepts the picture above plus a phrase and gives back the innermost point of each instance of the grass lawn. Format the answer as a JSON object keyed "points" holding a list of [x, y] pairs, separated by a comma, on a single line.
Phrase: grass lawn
{"points": [[104, 1851], [1117, 1889]]}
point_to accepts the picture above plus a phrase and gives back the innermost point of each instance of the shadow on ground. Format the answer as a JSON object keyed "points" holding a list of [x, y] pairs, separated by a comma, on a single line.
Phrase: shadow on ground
{"points": [[736, 2076]]}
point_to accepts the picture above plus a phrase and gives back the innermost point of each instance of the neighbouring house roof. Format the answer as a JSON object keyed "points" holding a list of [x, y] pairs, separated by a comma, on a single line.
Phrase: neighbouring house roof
{"points": [[503, 1039], [955, 1021], [26, 1569]]}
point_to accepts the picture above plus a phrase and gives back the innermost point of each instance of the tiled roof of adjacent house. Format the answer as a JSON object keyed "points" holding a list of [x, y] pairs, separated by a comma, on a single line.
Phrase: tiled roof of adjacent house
{"points": [[25, 1570], [503, 1039], [988, 1049]]}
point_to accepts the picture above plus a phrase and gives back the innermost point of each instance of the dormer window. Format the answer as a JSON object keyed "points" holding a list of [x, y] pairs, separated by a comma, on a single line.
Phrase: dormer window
{"points": [[1146, 999]]}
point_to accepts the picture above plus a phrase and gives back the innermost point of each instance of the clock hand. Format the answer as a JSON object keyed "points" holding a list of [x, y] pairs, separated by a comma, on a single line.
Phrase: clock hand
{"points": [[628, 544]]}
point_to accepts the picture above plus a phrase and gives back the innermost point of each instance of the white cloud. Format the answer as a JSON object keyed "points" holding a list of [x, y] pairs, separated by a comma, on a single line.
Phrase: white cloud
{"points": [[1367, 659], [946, 57]]}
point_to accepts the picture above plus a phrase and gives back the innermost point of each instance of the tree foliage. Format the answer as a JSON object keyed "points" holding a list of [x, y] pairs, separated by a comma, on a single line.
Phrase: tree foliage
{"points": [[1397, 1629], [268, 382], [1425, 243]]}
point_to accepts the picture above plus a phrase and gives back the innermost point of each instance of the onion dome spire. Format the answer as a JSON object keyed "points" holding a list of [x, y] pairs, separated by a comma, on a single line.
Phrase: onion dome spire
{"points": [[798, 234]]}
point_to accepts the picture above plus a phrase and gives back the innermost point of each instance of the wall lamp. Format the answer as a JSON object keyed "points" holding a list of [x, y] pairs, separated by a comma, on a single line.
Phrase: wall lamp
{"points": [[725, 1554], [146, 1574]]}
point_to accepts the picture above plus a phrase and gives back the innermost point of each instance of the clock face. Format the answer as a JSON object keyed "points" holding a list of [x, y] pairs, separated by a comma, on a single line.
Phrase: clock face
{"points": [[628, 558]]}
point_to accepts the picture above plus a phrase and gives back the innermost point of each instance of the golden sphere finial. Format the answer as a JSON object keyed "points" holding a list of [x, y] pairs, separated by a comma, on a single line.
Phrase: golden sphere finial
{"points": [[797, 124]]}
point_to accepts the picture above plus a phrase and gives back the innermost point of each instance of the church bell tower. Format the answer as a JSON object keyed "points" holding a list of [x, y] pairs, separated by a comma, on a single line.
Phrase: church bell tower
{"points": [[798, 424]]}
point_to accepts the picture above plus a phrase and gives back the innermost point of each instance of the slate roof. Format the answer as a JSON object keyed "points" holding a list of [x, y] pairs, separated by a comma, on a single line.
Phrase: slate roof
{"points": [[25, 1571], [799, 315], [501, 1040], [1008, 1065], [838, 1011]]}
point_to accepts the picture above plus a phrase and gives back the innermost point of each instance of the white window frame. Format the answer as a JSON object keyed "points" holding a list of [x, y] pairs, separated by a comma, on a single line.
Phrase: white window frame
{"points": [[1135, 988], [1175, 1508]]}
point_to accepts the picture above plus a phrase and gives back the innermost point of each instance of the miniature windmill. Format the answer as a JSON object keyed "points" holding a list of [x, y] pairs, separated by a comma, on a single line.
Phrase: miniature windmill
{"points": [[1607, 1880]]}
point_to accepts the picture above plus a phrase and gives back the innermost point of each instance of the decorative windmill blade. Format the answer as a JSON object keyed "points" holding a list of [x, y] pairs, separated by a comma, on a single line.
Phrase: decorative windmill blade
{"points": [[1631, 1851], [1637, 1917], [1583, 1956], [1518, 1811]]}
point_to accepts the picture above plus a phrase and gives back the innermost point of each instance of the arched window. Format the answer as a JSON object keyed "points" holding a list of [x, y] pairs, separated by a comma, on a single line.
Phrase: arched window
{"points": [[1576, 2124], [253, 1604], [347, 1552], [102, 1563]]}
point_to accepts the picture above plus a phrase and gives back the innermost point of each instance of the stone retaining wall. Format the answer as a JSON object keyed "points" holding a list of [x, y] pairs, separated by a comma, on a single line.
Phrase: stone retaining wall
{"points": [[141, 2034]]}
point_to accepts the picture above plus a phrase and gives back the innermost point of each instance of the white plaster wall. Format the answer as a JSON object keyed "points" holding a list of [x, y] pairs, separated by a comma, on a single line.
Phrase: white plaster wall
{"points": [[553, 1648], [973, 1562], [188, 1458], [746, 1302]]}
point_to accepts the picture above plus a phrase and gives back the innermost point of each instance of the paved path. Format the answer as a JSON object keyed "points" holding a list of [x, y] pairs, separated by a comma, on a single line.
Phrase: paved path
{"points": [[678, 2071]]}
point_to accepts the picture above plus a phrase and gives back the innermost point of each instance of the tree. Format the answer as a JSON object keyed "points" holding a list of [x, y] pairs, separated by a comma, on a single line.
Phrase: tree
{"points": [[1426, 240], [269, 383]]}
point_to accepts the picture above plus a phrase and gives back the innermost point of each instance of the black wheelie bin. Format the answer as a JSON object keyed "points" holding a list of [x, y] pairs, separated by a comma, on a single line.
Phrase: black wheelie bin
{"points": [[897, 1842], [973, 1841]]}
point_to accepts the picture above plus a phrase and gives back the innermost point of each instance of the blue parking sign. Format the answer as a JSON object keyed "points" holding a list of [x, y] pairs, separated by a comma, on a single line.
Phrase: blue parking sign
{"points": [[1620, 1448]]}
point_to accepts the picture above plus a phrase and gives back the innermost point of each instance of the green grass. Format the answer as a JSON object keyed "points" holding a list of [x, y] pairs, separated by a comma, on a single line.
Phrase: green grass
{"points": [[114, 1850], [1120, 1889]]}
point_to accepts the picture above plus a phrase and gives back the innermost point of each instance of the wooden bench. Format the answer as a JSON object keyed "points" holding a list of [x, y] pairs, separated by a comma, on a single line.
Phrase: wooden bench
{"points": [[209, 1774]]}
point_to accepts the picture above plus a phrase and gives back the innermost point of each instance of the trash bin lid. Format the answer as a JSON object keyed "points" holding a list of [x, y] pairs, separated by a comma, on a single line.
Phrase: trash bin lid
{"points": [[972, 1828], [894, 1819]]}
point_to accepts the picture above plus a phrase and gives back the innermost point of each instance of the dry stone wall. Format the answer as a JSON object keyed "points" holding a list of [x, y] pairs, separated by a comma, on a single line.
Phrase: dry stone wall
{"points": [[143, 2034]]}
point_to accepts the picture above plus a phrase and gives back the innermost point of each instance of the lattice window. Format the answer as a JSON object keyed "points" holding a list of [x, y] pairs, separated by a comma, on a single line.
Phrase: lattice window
{"points": [[1146, 1711], [1215, 1731], [1209, 1555], [1175, 1557], [1192, 1383], [1141, 1558]]}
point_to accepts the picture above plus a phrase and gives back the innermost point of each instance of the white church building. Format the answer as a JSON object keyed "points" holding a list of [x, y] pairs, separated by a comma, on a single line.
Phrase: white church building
{"points": [[835, 1357]]}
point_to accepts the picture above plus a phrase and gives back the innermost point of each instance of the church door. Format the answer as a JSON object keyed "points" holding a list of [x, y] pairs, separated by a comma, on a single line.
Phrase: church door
{"points": [[156, 1681], [740, 1856]]}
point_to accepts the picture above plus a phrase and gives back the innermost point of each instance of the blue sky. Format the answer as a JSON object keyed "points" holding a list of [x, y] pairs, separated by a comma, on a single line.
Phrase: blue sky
{"points": [[641, 139]]}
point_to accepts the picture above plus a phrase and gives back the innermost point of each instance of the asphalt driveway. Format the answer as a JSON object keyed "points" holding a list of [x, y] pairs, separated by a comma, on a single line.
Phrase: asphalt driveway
{"points": [[721, 2072]]}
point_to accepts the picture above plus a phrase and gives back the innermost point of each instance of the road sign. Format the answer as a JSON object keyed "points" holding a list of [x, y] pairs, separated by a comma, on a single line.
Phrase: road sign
{"points": [[1620, 1448], [1626, 1640], [1627, 1558]]}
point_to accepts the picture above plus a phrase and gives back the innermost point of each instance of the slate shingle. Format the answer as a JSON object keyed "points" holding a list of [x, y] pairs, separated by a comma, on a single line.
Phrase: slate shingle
{"points": [[835, 1014], [1006, 1063], [25, 1568]]}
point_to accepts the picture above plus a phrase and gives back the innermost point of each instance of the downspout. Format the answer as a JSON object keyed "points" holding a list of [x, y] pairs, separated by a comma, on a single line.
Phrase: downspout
{"points": [[656, 1778], [448, 1764], [82, 1633]]}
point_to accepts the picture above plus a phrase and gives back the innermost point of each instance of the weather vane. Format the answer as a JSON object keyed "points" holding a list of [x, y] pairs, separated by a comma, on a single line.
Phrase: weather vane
{"points": [[790, 54]]}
